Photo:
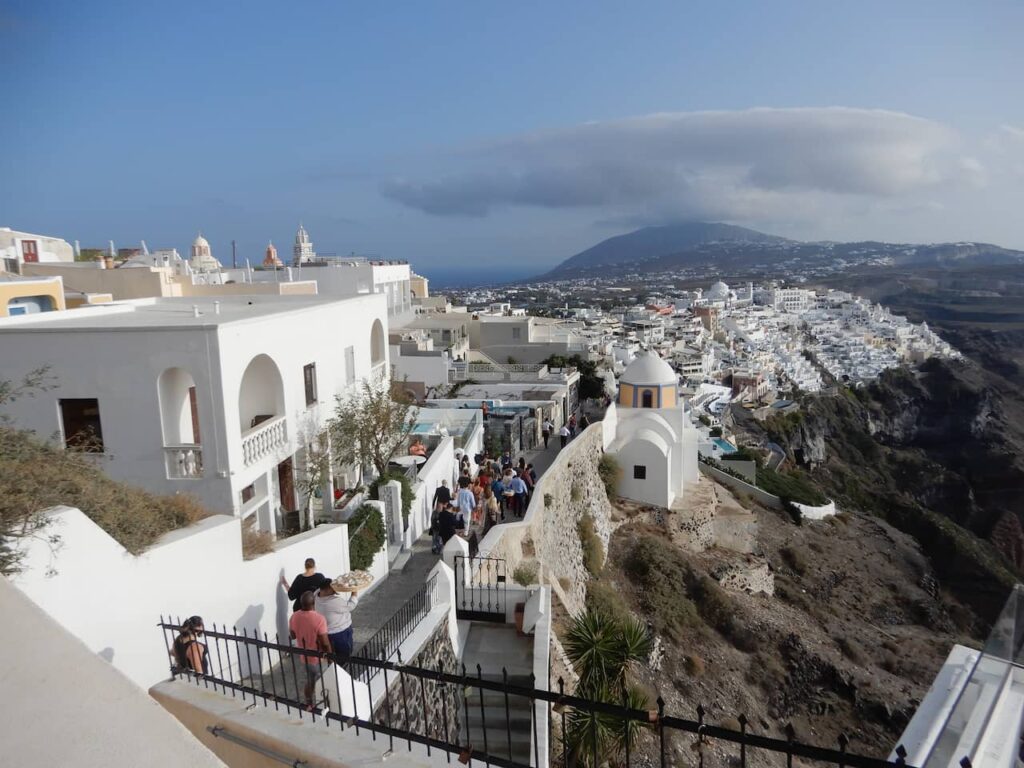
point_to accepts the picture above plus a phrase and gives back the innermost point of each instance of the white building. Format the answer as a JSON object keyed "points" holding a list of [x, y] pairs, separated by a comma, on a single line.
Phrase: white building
{"points": [[216, 398], [302, 251], [350, 276], [17, 248], [202, 256], [794, 300], [655, 442]]}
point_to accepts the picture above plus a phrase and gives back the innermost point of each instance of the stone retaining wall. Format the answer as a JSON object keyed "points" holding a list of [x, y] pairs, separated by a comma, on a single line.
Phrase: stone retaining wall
{"points": [[407, 700], [768, 499], [568, 490]]}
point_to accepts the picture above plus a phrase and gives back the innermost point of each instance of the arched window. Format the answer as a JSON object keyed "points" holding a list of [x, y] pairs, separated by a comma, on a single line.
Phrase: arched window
{"points": [[647, 399], [376, 343]]}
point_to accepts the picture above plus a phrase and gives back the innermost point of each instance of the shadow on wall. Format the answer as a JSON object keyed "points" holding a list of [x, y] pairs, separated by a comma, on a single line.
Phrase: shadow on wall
{"points": [[282, 615], [249, 622]]}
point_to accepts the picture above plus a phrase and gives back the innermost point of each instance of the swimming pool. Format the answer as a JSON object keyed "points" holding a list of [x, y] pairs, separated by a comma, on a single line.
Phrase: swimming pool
{"points": [[724, 445]]}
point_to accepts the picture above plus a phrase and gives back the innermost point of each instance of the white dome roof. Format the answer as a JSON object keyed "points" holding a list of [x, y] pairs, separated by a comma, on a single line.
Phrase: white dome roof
{"points": [[718, 291], [649, 370], [200, 242]]}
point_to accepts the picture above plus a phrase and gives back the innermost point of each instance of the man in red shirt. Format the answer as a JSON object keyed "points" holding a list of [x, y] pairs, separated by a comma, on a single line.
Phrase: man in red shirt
{"points": [[309, 630]]}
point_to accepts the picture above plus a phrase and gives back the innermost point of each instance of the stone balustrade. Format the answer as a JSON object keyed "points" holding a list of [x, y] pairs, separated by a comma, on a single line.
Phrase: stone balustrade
{"points": [[183, 461], [263, 439]]}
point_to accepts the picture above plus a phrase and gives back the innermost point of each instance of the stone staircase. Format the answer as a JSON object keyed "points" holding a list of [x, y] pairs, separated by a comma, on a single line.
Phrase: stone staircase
{"points": [[494, 647]]}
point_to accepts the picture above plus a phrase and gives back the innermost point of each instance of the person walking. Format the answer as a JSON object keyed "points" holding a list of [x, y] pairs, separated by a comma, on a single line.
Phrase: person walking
{"points": [[443, 494], [447, 525], [490, 505], [436, 544], [465, 501], [309, 631], [189, 652], [498, 489], [572, 425], [308, 580], [518, 486], [564, 434], [546, 430], [335, 602]]}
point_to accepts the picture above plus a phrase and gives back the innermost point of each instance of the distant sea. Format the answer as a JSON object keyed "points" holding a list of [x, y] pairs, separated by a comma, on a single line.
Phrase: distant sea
{"points": [[468, 277]]}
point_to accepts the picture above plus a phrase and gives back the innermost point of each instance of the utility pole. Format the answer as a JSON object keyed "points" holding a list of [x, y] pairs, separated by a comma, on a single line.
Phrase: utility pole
{"points": [[234, 265]]}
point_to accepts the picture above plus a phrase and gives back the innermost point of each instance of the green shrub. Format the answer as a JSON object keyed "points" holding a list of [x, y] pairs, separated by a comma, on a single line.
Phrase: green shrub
{"points": [[694, 665], [525, 574], [593, 549], [575, 493], [766, 671], [795, 559], [660, 571], [408, 495], [851, 649], [610, 472], [366, 536], [604, 598], [36, 476], [254, 541], [794, 486], [717, 608]]}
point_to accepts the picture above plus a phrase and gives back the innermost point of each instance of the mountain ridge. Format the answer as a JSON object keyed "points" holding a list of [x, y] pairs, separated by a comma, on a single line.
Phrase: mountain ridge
{"points": [[652, 249]]}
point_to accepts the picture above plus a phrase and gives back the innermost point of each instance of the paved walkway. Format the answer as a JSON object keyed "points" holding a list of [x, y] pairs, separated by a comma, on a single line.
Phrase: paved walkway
{"points": [[382, 603]]}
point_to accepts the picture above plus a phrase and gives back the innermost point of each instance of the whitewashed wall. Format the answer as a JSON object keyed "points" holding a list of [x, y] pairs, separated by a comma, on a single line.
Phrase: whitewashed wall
{"points": [[113, 600]]}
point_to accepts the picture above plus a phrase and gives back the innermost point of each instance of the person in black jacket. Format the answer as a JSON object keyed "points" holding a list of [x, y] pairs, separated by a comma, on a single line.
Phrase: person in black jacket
{"points": [[443, 494], [447, 524], [307, 581]]}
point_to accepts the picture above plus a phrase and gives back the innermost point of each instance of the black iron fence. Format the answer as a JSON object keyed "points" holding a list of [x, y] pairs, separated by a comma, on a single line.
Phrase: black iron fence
{"points": [[271, 673], [386, 641], [480, 588]]}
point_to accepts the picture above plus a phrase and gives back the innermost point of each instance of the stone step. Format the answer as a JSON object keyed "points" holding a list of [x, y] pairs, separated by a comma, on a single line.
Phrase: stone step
{"points": [[497, 743], [400, 561], [519, 717]]}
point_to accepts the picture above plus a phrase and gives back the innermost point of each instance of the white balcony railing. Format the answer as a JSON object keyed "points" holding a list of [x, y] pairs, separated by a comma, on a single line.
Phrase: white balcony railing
{"points": [[263, 439], [378, 373], [183, 461]]}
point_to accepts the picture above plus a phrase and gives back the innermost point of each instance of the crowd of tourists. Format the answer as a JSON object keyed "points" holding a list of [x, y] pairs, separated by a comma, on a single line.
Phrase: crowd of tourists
{"points": [[500, 490]]}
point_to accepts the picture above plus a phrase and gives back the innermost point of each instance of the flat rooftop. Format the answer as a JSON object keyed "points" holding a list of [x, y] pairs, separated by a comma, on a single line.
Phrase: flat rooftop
{"points": [[174, 313]]}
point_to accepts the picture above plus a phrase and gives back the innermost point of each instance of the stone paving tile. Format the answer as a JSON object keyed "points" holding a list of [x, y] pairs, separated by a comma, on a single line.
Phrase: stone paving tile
{"points": [[383, 602]]}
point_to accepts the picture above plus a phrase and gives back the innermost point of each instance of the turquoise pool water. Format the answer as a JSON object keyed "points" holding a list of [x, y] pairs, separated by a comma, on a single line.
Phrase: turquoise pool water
{"points": [[422, 429], [725, 445]]}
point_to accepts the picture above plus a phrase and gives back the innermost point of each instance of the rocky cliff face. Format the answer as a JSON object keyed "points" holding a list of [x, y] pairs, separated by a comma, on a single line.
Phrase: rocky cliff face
{"points": [[923, 449]]}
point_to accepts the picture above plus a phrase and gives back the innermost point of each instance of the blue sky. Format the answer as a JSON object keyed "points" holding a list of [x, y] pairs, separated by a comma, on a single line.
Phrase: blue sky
{"points": [[499, 137]]}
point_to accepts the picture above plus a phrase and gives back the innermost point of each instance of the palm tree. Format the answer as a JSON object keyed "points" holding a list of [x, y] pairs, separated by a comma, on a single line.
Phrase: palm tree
{"points": [[601, 649]]}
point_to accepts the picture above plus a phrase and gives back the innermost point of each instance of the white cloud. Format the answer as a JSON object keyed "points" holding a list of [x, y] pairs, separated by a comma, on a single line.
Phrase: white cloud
{"points": [[741, 165]]}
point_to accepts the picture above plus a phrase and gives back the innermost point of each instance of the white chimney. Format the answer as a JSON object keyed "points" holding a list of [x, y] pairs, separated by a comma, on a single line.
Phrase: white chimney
{"points": [[195, 310], [216, 307]]}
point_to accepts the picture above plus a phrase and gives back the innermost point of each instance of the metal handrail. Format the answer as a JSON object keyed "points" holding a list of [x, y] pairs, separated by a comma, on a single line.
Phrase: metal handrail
{"points": [[386, 641], [470, 689]]}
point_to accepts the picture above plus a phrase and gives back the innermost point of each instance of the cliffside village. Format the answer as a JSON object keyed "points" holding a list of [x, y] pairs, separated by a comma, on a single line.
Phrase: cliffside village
{"points": [[190, 377]]}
